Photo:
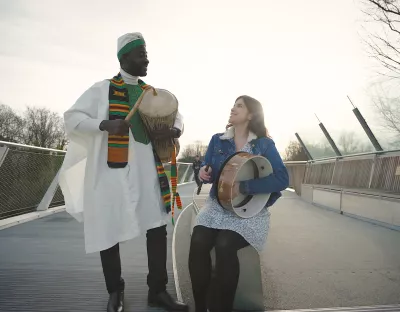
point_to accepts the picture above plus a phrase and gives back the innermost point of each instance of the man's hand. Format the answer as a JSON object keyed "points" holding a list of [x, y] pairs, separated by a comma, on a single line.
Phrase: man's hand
{"points": [[172, 133], [115, 127]]}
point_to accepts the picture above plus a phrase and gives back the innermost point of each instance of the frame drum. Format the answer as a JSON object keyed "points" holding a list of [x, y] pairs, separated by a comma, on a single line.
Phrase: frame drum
{"points": [[242, 166]]}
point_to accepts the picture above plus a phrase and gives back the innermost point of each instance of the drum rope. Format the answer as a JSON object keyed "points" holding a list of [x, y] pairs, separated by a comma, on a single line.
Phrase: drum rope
{"points": [[139, 101]]}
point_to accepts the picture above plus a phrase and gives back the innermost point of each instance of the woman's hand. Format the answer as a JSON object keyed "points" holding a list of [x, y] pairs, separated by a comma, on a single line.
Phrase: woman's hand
{"points": [[205, 176]]}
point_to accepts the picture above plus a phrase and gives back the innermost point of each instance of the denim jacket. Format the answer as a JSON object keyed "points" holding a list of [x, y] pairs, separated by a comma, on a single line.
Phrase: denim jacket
{"points": [[222, 146]]}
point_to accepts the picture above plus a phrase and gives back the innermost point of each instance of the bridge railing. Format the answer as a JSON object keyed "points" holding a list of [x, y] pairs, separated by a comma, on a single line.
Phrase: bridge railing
{"points": [[375, 171], [28, 173], [296, 171]]}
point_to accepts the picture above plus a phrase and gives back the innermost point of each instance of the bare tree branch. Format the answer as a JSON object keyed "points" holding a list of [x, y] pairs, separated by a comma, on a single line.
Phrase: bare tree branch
{"points": [[395, 9], [349, 143], [192, 150], [43, 128], [37, 126], [11, 125], [383, 45]]}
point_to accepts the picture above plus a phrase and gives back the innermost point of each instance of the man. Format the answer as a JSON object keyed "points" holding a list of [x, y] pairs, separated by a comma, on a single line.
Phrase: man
{"points": [[109, 177], [196, 168]]}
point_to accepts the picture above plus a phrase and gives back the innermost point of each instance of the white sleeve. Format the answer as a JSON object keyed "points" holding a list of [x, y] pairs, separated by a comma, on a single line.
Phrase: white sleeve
{"points": [[178, 121], [82, 119], [89, 125], [82, 116]]}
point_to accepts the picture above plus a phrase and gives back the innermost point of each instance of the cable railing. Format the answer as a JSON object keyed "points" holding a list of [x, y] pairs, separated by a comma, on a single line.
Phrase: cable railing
{"points": [[375, 171], [29, 173]]}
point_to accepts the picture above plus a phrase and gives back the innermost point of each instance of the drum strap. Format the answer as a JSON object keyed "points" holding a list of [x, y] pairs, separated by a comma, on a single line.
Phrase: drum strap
{"points": [[118, 146], [174, 184]]}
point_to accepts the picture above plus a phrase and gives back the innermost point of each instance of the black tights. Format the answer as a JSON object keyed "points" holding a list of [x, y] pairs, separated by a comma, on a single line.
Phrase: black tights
{"points": [[226, 244]]}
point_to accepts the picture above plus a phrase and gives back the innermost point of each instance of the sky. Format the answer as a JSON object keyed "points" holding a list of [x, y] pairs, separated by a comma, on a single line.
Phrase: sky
{"points": [[298, 58]]}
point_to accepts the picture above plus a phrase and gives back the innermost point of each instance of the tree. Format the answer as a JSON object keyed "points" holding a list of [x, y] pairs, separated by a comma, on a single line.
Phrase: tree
{"points": [[190, 151], [383, 44], [43, 128], [385, 98], [295, 152], [320, 149], [388, 109], [349, 143], [11, 125]]}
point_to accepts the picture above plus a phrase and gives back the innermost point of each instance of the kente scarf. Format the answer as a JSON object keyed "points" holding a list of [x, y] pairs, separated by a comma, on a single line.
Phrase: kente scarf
{"points": [[122, 98]]}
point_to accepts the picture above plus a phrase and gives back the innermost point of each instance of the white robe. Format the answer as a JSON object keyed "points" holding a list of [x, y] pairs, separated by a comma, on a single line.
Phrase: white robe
{"points": [[115, 205]]}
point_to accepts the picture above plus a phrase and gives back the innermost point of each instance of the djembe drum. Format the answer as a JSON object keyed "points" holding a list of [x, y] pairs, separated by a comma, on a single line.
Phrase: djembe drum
{"points": [[242, 166], [158, 109]]}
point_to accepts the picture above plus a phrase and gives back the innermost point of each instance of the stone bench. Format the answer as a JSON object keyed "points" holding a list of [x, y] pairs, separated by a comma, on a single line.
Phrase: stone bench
{"points": [[249, 293]]}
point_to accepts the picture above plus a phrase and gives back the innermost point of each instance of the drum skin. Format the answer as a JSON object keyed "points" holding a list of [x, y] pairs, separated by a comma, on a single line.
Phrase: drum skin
{"points": [[158, 113], [161, 105], [242, 166]]}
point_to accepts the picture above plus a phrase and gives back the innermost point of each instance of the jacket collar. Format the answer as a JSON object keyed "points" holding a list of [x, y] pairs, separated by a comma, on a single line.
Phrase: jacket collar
{"points": [[230, 133]]}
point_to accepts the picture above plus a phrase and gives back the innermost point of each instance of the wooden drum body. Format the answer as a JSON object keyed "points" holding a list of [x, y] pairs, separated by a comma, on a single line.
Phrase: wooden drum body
{"points": [[242, 166], [158, 112]]}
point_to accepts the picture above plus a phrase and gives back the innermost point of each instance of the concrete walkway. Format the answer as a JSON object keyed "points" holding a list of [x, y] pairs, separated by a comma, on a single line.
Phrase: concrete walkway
{"points": [[315, 258], [43, 267]]}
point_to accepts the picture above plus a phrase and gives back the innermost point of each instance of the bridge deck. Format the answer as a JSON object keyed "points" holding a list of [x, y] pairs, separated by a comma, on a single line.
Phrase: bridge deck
{"points": [[316, 258], [43, 267]]}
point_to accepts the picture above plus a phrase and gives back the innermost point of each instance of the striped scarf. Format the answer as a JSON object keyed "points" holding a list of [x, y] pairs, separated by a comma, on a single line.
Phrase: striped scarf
{"points": [[118, 146], [164, 184], [174, 183], [119, 107]]}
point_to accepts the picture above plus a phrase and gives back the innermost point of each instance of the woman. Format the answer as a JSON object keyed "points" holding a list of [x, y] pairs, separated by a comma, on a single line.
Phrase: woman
{"points": [[222, 229]]}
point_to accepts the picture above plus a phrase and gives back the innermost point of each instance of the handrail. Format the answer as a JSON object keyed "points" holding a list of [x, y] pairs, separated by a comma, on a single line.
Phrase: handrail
{"points": [[2, 143], [295, 162], [341, 157], [355, 155], [10, 144]]}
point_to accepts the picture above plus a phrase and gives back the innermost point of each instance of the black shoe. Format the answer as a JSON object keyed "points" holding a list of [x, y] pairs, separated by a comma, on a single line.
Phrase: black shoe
{"points": [[116, 300], [164, 300]]}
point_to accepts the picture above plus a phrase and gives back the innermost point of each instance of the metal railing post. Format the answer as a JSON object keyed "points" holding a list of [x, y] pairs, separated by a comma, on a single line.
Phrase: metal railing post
{"points": [[3, 153], [192, 177], [48, 196], [371, 175], [333, 172], [185, 174]]}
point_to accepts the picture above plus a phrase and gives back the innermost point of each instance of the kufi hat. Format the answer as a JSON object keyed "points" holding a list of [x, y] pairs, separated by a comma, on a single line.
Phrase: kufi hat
{"points": [[128, 42]]}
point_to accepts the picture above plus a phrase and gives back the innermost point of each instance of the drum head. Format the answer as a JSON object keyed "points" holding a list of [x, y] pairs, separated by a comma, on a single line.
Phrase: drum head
{"points": [[161, 105], [248, 171], [252, 167], [252, 204]]}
